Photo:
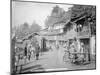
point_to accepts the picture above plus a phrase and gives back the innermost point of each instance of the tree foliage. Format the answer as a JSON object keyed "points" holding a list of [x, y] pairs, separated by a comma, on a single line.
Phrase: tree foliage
{"points": [[26, 29], [57, 15], [79, 10], [88, 11], [35, 27]]}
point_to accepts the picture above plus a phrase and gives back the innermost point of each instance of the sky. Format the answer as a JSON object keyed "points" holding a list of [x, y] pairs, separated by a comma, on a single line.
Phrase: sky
{"points": [[29, 12]]}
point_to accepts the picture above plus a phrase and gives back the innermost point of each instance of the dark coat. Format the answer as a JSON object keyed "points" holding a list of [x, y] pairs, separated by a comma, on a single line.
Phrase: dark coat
{"points": [[37, 48]]}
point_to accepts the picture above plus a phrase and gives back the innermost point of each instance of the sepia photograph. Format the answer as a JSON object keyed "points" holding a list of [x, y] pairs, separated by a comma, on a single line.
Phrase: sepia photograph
{"points": [[52, 37]]}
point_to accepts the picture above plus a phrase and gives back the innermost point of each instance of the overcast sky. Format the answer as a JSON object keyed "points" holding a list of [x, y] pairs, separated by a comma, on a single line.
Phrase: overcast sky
{"points": [[30, 12]]}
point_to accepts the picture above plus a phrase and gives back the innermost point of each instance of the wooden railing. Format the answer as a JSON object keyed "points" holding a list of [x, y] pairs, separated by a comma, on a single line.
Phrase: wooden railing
{"points": [[84, 32]]}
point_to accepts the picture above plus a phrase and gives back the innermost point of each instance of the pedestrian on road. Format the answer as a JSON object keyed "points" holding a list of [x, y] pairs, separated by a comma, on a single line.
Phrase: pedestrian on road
{"points": [[29, 52], [37, 51], [25, 53]]}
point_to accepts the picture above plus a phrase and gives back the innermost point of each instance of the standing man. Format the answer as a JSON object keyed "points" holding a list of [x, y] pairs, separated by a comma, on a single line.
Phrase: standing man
{"points": [[37, 50], [25, 52]]}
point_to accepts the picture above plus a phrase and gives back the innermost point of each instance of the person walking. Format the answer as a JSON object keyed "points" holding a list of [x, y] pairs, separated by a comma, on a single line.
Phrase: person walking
{"points": [[29, 52], [25, 53], [37, 51]]}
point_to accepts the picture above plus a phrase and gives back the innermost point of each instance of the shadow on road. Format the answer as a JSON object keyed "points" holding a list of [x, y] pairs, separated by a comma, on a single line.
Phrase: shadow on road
{"points": [[32, 69]]}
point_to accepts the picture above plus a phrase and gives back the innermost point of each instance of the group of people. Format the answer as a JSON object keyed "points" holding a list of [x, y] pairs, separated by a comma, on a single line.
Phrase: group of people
{"points": [[27, 53], [29, 50], [75, 51]]}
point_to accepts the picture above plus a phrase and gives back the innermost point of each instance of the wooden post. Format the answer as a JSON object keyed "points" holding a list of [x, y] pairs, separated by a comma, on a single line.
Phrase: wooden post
{"points": [[89, 55]]}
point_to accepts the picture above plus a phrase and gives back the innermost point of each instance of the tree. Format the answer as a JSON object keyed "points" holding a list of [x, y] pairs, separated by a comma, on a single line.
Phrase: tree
{"points": [[26, 29], [35, 27], [57, 15], [22, 30], [80, 10], [88, 11]]}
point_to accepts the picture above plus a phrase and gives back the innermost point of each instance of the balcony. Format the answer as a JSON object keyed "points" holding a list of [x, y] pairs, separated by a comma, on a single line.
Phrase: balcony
{"points": [[84, 33]]}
